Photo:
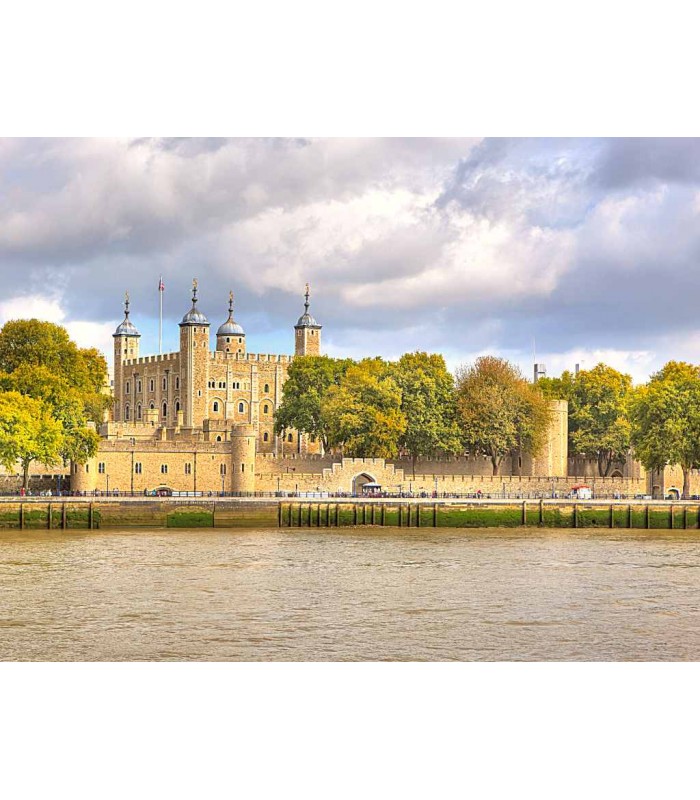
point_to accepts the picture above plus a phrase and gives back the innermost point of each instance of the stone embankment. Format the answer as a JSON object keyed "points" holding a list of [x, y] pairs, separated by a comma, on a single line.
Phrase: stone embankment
{"points": [[87, 513]]}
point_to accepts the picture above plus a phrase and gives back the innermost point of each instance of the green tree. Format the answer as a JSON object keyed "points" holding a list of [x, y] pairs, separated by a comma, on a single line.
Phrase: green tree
{"points": [[28, 432], [665, 419], [363, 413], [499, 412], [428, 404], [39, 360], [308, 380]]}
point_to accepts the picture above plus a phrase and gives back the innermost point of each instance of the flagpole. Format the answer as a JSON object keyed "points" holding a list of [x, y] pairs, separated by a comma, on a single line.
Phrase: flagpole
{"points": [[160, 316]]}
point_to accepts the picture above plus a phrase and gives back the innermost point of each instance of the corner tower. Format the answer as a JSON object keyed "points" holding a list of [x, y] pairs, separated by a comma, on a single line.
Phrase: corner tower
{"points": [[194, 363], [307, 332], [126, 347], [230, 338]]}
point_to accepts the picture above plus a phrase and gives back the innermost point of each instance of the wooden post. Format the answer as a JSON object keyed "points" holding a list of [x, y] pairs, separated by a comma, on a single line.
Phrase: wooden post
{"points": [[611, 515], [354, 513], [400, 510], [21, 516], [300, 512], [541, 511], [685, 518], [670, 521], [418, 515], [279, 514], [524, 512], [435, 515], [64, 521], [318, 518], [289, 507], [374, 509], [48, 514], [629, 516], [647, 516], [383, 515], [575, 515], [90, 516], [337, 515], [213, 514]]}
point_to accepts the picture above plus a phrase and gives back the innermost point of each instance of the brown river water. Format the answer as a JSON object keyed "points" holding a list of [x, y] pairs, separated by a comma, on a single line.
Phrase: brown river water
{"points": [[354, 594]]}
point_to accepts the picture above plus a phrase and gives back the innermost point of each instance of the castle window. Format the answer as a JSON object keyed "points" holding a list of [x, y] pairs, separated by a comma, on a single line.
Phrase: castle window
{"points": [[138, 386], [177, 406], [240, 341], [177, 382], [101, 467], [151, 385], [188, 469], [165, 384], [151, 406], [267, 388], [241, 408], [126, 412], [87, 468], [128, 387], [138, 468], [222, 469], [290, 438], [194, 330], [165, 409], [199, 393], [164, 469], [313, 439], [266, 436], [218, 438], [242, 467], [228, 339], [138, 411], [215, 407], [266, 409], [239, 350]]}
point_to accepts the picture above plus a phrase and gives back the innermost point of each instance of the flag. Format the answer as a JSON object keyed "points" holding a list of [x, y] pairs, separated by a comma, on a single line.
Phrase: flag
{"points": [[161, 285]]}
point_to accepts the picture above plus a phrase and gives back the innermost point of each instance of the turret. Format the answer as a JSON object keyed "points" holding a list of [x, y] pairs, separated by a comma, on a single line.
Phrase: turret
{"points": [[307, 332], [243, 459], [230, 338], [194, 361], [126, 347]]}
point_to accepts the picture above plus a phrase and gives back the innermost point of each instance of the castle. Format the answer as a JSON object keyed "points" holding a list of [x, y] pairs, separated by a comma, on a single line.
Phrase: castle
{"points": [[202, 420]]}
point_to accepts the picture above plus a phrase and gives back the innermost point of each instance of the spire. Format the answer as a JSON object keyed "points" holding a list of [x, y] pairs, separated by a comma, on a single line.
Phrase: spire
{"points": [[194, 316], [230, 327], [306, 320], [126, 328]]}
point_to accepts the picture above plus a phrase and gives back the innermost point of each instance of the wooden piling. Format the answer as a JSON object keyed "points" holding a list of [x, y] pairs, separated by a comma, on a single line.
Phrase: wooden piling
{"points": [[64, 519], [48, 516], [575, 515], [435, 515], [611, 515], [90, 517], [21, 516], [524, 512]]}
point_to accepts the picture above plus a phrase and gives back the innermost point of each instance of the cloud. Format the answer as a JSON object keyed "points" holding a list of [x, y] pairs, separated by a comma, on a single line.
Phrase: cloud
{"points": [[585, 245]]}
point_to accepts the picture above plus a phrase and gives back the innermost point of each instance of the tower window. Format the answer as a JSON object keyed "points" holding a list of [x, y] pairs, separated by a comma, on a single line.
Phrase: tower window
{"points": [[177, 406], [177, 382], [138, 411], [216, 406], [138, 468], [290, 438], [222, 469], [151, 406], [267, 388], [165, 384], [218, 438], [240, 341], [151, 385], [101, 467], [126, 412], [128, 387], [266, 436], [138, 386], [165, 409], [241, 408], [188, 469], [164, 469], [228, 339], [266, 409]]}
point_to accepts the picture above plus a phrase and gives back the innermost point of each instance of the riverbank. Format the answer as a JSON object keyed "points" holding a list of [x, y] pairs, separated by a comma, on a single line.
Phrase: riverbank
{"points": [[87, 513]]}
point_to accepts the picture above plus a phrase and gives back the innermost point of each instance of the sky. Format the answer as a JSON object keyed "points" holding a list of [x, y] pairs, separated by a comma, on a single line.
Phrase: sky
{"points": [[564, 250]]}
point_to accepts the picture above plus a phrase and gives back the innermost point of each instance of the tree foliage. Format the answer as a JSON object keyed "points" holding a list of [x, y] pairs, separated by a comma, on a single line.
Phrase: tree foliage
{"points": [[363, 412], [599, 425], [28, 432], [308, 380], [665, 419], [428, 404], [38, 360], [499, 411]]}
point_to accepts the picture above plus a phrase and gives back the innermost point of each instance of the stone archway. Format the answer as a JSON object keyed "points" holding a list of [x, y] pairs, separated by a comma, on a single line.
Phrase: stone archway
{"points": [[616, 474], [673, 493], [359, 481]]}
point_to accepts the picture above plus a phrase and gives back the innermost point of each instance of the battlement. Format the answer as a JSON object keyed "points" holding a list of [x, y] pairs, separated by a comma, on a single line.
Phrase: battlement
{"points": [[219, 355], [157, 359]]}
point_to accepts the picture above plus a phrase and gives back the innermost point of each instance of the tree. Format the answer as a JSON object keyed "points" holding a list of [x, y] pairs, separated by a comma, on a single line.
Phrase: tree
{"points": [[39, 360], [428, 404], [499, 411], [28, 432], [665, 419], [598, 420], [308, 380], [363, 413]]}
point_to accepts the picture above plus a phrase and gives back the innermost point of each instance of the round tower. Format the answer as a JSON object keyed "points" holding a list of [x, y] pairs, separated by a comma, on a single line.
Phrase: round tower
{"points": [[126, 348], [194, 363], [230, 338], [243, 459], [307, 332], [84, 476]]}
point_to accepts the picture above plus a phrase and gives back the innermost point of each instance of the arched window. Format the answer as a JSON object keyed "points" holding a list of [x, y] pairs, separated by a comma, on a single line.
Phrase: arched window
{"points": [[241, 408], [165, 384], [290, 438], [177, 405], [128, 387], [164, 469], [126, 411], [266, 437], [151, 385], [152, 406], [138, 386], [138, 411], [266, 409], [177, 382], [165, 410], [267, 388], [216, 405], [218, 438]]}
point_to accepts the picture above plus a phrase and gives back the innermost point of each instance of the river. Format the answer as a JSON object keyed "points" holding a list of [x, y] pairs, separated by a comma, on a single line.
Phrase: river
{"points": [[367, 594]]}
